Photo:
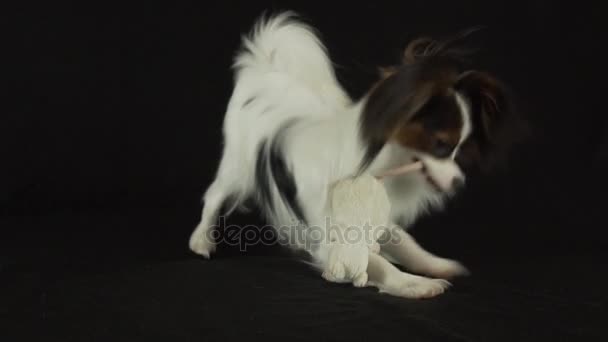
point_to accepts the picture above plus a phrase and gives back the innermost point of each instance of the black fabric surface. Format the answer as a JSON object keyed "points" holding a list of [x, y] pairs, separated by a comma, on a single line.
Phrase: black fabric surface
{"points": [[112, 131], [109, 283], [254, 297]]}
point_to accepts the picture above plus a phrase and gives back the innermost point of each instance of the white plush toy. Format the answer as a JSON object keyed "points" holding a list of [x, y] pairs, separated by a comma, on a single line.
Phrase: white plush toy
{"points": [[359, 209]]}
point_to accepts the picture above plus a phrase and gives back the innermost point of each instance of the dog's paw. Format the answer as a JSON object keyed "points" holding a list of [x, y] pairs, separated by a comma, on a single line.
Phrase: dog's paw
{"points": [[347, 263], [446, 269], [416, 287], [423, 288], [202, 243]]}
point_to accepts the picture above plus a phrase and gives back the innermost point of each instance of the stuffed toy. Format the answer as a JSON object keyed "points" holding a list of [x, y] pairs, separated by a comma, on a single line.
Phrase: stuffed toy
{"points": [[359, 208]]}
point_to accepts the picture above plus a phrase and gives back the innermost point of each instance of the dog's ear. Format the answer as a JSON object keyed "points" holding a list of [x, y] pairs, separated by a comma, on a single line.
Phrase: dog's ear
{"points": [[488, 101], [452, 47], [496, 124], [392, 103], [417, 49]]}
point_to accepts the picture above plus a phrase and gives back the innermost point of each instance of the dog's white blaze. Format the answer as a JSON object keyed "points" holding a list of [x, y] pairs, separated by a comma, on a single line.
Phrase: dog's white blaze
{"points": [[467, 126], [444, 171]]}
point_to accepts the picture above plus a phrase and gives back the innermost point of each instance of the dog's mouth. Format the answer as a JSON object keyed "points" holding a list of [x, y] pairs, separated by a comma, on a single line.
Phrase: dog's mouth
{"points": [[427, 176]]}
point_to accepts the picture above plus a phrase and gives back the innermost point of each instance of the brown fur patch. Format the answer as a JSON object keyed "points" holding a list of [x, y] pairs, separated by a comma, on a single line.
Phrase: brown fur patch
{"points": [[434, 130]]}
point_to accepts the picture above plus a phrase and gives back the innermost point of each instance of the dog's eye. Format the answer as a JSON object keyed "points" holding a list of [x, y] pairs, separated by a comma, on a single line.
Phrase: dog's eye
{"points": [[442, 148]]}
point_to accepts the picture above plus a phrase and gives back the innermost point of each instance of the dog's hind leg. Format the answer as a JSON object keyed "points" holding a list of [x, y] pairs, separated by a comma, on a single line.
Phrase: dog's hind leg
{"points": [[227, 185], [201, 239]]}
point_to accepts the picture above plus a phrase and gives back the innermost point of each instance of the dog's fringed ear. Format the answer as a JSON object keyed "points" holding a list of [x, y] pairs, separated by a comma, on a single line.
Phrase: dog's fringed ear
{"points": [[489, 104], [451, 47], [417, 49], [496, 124], [391, 104]]}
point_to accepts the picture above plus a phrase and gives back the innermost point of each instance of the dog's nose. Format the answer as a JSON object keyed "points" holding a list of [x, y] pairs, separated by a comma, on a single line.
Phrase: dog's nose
{"points": [[458, 183]]}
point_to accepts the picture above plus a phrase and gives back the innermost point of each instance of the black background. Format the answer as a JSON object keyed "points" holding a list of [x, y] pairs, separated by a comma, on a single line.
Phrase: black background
{"points": [[113, 132]]}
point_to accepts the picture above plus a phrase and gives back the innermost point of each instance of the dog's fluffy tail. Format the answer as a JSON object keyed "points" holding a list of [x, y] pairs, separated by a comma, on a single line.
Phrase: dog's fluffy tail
{"points": [[283, 43]]}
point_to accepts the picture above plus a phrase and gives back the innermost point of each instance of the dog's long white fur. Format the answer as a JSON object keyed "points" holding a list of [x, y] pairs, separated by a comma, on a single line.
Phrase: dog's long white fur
{"points": [[284, 73]]}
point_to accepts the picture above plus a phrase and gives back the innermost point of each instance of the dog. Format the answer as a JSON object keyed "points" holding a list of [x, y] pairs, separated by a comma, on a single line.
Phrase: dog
{"points": [[291, 131]]}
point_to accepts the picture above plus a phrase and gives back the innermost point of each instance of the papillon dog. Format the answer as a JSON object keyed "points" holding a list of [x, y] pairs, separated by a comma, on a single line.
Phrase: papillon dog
{"points": [[291, 131]]}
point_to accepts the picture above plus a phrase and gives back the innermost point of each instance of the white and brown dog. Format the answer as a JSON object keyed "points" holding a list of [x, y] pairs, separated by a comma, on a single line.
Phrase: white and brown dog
{"points": [[291, 131]]}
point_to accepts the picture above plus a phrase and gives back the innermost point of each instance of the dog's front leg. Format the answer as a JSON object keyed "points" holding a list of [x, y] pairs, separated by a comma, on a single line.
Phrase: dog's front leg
{"points": [[401, 248], [388, 279]]}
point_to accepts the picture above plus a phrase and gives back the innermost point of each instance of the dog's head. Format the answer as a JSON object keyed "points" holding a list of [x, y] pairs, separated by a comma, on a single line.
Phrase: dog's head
{"points": [[450, 116]]}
